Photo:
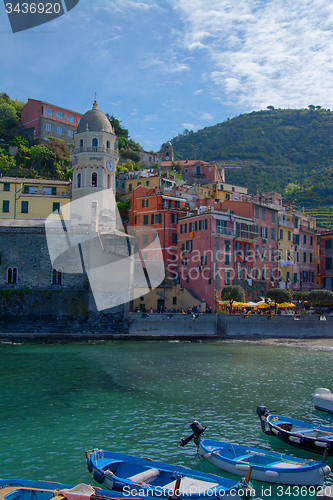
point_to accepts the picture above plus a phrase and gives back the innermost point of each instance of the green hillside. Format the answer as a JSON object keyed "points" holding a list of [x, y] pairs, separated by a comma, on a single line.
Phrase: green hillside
{"points": [[46, 159], [285, 150]]}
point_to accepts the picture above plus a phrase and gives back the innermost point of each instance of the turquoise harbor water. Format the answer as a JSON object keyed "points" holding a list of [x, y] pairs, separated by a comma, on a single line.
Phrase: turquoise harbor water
{"points": [[140, 397]]}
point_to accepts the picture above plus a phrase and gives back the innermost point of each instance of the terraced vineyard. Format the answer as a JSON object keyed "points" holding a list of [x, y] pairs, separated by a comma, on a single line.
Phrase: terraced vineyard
{"points": [[324, 216]]}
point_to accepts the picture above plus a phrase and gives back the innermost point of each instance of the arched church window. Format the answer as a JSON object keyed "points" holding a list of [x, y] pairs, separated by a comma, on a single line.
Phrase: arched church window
{"points": [[12, 275], [94, 144], [56, 277], [94, 179], [108, 144], [81, 143], [109, 182], [78, 180]]}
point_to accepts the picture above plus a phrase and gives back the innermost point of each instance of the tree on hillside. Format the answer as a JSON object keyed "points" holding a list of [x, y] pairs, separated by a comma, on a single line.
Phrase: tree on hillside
{"points": [[124, 209], [19, 140], [320, 297], [42, 158], [278, 295], [7, 162], [177, 166], [119, 130], [233, 293], [130, 154]]}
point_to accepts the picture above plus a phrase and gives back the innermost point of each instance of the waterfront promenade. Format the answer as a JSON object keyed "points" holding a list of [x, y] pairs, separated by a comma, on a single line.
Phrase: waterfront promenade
{"points": [[170, 326]]}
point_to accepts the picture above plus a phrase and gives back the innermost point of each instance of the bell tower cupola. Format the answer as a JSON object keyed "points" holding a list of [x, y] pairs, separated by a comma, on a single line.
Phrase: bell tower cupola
{"points": [[95, 157]]}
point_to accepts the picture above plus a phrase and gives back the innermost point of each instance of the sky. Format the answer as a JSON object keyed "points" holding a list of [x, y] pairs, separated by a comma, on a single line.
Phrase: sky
{"points": [[165, 66]]}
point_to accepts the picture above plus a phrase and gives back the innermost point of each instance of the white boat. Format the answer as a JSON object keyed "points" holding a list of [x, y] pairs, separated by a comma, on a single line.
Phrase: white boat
{"points": [[323, 399], [267, 466]]}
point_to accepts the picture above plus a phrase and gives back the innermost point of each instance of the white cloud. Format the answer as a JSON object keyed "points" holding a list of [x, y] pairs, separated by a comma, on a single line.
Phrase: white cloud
{"points": [[206, 116], [191, 126], [167, 65], [276, 52]]}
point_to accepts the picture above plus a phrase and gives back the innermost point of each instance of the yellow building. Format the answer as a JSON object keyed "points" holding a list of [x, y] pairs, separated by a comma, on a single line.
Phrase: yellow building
{"points": [[286, 249], [125, 187], [219, 191], [32, 198], [169, 297]]}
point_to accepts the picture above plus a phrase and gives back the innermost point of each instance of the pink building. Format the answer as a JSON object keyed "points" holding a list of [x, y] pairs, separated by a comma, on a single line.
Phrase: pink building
{"points": [[326, 259], [49, 120], [265, 241], [205, 254], [196, 170]]}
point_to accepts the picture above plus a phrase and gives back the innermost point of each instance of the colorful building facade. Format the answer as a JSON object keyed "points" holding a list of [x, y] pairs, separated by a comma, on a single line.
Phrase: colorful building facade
{"points": [[326, 259], [155, 219], [50, 120], [32, 198]]}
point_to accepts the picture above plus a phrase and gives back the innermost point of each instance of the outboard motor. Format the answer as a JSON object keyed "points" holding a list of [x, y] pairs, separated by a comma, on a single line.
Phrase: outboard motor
{"points": [[262, 412], [197, 431]]}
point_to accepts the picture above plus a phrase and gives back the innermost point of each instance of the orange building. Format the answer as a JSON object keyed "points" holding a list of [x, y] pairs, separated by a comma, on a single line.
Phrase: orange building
{"points": [[155, 217], [46, 120]]}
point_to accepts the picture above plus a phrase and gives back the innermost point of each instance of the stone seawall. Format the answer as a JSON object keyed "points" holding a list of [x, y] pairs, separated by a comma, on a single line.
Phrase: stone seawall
{"points": [[179, 325], [230, 326], [104, 326], [280, 326]]}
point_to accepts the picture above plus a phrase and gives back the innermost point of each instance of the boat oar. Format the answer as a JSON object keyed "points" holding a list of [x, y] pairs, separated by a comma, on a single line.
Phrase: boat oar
{"points": [[248, 475], [176, 493]]}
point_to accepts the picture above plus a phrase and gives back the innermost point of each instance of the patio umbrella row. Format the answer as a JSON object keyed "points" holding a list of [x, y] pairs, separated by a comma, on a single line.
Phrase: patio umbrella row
{"points": [[259, 305]]}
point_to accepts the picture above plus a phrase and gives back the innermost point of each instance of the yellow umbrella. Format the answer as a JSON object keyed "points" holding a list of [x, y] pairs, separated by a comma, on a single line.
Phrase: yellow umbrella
{"points": [[262, 306], [286, 304]]}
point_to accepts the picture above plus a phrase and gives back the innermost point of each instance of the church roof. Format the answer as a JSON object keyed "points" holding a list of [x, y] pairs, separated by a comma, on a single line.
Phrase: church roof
{"points": [[95, 121]]}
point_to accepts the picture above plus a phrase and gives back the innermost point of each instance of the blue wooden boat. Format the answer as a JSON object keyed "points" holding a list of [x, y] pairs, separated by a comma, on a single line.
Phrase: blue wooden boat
{"points": [[311, 437], [267, 466], [133, 475], [21, 489]]}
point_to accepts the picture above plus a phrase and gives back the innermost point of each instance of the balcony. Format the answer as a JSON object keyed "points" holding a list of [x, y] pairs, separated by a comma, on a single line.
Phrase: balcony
{"points": [[165, 206], [285, 223], [307, 229], [226, 230], [95, 149], [246, 235]]}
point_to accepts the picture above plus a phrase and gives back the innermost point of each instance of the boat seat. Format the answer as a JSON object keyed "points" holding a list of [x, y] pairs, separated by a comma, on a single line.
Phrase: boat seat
{"points": [[307, 431], [191, 485], [244, 457], [147, 476], [286, 465]]}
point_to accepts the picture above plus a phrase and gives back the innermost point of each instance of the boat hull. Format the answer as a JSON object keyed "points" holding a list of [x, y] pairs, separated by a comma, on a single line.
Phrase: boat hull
{"points": [[18, 489], [324, 403], [266, 466], [143, 477], [300, 434]]}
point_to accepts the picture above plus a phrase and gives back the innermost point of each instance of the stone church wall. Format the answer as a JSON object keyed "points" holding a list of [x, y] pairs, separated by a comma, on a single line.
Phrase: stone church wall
{"points": [[34, 303]]}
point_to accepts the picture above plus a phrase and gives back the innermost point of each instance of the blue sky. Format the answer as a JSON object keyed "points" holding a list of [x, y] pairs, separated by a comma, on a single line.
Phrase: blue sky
{"points": [[165, 66]]}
